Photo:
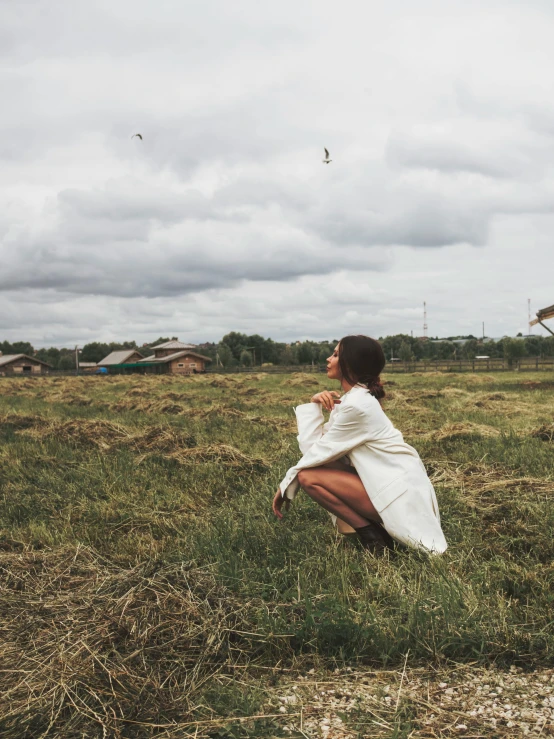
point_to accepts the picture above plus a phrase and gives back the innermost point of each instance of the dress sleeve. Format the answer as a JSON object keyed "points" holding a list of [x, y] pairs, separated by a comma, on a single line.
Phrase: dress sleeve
{"points": [[348, 431], [310, 422]]}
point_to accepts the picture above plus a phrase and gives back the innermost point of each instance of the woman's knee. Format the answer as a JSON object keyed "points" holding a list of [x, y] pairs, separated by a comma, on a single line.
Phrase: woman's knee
{"points": [[305, 478]]}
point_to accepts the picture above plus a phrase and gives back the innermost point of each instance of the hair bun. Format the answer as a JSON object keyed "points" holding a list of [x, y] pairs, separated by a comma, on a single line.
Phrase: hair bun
{"points": [[375, 387]]}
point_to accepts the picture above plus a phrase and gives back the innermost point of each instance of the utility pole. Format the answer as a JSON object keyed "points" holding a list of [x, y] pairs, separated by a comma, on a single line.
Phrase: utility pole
{"points": [[424, 320], [76, 360], [483, 331]]}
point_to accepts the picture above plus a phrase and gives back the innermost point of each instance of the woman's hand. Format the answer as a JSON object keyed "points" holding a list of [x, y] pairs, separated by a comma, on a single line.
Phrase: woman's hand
{"points": [[328, 399], [278, 502]]}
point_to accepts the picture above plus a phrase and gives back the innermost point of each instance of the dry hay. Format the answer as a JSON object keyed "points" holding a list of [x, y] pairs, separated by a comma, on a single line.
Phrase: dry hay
{"points": [[248, 391], [166, 407], [254, 376], [137, 392], [476, 378], [165, 442], [23, 421], [87, 432], [454, 392], [478, 478], [225, 454], [544, 432], [162, 406], [175, 396], [108, 436], [90, 648], [301, 379], [461, 430], [500, 403], [222, 382]]}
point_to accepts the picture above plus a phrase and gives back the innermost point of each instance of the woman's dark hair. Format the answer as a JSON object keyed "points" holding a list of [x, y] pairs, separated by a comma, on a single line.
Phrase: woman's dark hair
{"points": [[361, 360]]}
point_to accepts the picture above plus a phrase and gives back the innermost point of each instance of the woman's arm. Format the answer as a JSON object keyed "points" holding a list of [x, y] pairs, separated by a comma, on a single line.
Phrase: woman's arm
{"points": [[348, 431], [310, 421]]}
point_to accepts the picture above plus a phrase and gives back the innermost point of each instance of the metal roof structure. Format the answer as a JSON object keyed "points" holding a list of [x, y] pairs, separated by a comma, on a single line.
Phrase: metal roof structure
{"points": [[118, 357], [170, 357], [177, 345], [542, 315]]}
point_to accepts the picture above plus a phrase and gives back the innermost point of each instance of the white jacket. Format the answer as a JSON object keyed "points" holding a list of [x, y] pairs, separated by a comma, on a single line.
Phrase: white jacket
{"points": [[390, 470]]}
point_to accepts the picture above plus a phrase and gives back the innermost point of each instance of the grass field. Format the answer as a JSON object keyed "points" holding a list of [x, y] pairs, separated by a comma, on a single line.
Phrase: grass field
{"points": [[147, 590]]}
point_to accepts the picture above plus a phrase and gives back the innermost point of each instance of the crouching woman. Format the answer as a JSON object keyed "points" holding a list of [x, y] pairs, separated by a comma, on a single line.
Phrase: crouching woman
{"points": [[357, 465]]}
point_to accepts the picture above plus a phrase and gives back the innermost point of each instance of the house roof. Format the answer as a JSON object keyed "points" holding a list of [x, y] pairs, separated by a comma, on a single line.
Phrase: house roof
{"points": [[175, 355], [7, 358], [118, 357], [173, 345]]}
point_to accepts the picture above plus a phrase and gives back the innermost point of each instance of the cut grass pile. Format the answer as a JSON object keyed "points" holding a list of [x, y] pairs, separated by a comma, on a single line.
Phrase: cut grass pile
{"points": [[147, 590]]}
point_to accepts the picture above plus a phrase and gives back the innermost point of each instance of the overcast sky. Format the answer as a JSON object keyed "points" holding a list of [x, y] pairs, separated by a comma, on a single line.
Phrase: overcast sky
{"points": [[438, 115]]}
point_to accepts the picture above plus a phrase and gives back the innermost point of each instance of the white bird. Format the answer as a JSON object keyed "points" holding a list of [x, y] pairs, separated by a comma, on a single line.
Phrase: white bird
{"points": [[326, 160], [137, 134]]}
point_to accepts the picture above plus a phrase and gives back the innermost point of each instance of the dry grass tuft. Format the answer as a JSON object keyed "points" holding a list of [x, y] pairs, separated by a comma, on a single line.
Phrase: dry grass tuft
{"points": [[22, 421], [476, 379], [462, 430], [544, 432], [86, 432], [454, 392], [478, 479], [256, 376], [302, 379], [88, 644], [223, 382], [221, 453], [108, 436], [161, 405]]}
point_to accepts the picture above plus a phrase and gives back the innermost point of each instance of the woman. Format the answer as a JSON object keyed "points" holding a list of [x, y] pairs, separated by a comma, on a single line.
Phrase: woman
{"points": [[357, 466]]}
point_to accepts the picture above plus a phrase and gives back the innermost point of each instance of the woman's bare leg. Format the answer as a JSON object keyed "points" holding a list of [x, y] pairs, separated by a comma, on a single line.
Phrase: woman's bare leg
{"points": [[341, 493]]}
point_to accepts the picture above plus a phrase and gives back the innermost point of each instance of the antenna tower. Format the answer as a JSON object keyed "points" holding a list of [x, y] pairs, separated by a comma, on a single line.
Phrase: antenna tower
{"points": [[424, 320], [529, 314]]}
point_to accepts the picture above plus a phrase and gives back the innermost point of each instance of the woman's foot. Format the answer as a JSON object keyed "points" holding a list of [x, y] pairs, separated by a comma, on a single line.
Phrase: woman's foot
{"points": [[375, 538]]}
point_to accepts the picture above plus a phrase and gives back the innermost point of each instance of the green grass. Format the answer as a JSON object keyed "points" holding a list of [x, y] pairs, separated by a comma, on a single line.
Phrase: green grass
{"points": [[268, 593]]}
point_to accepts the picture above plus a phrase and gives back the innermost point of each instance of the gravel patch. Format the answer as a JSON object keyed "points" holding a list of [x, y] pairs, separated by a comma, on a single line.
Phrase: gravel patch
{"points": [[465, 702]]}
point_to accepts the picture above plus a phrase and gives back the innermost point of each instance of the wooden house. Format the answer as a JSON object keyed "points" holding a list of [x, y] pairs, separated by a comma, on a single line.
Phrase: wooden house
{"points": [[178, 358], [21, 364]]}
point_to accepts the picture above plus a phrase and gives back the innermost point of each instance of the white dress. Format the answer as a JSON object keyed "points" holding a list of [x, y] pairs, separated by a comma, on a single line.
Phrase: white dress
{"points": [[390, 470]]}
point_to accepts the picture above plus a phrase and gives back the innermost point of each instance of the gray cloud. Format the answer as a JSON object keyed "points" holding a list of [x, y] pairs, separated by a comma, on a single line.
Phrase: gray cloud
{"points": [[440, 135]]}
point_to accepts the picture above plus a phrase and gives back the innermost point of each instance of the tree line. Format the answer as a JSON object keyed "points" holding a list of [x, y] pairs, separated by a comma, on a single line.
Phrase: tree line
{"points": [[237, 349]]}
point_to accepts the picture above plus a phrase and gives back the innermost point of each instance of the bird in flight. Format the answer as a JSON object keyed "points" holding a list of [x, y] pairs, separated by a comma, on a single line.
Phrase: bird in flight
{"points": [[326, 160], [137, 134]]}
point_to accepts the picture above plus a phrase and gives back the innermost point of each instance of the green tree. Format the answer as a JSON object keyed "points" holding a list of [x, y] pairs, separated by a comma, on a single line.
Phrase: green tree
{"points": [[405, 352], [94, 352], [18, 347], [236, 342], [67, 361], [470, 349], [305, 352], [51, 356], [246, 358], [225, 355], [513, 349]]}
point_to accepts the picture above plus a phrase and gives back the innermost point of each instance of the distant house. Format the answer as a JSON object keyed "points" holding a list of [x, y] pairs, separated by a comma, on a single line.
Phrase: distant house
{"points": [[178, 358], [125, 356], [21, 364]]}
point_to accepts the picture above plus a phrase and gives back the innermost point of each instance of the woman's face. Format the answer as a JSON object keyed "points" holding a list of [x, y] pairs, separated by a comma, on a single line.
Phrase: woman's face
{"points": [[333, 367]]}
